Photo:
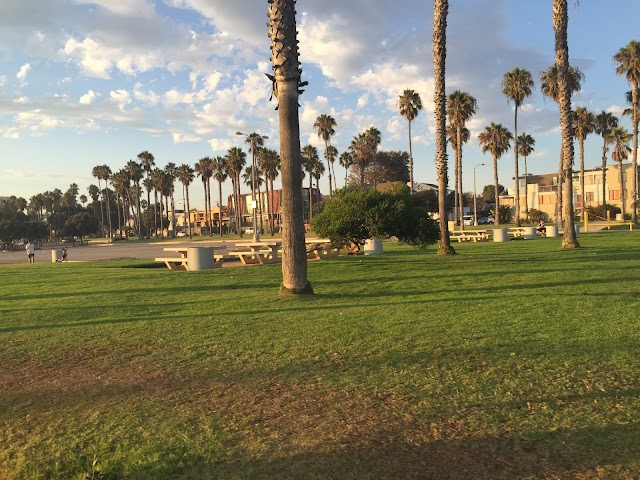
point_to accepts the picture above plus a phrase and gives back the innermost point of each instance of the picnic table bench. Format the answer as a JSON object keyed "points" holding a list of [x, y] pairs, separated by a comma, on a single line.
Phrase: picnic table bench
{"points": [[470, 235], [321, 248], [182, 262], [257, 253], [517, 231]]}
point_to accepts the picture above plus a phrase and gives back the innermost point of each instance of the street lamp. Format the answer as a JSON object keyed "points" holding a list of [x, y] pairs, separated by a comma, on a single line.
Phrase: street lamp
{"points": [[252, 140], [475, 196]]}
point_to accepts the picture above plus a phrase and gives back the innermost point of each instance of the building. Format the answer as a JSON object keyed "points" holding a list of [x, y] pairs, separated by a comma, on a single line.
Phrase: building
{"points": [[543, 190]]}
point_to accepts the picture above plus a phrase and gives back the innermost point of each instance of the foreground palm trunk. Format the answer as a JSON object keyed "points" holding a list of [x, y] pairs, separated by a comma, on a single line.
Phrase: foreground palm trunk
{"points": [[286, 68], [560, 20], [440, 10]]}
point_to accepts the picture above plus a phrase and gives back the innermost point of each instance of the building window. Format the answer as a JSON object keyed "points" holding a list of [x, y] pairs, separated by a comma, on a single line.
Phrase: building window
{"points": [[614, 194], [588, 196], [542, 199]]}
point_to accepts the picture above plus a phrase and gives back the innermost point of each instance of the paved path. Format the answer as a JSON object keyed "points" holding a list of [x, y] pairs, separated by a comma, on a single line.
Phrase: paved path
{"points": [[113, 251]]}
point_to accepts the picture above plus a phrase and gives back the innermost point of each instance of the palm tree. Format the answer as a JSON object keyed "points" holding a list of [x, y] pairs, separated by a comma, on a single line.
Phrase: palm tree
{"points": [[346, 160], [185, 175], [97, 173], [460, 107], [120, 181], [219, 167], [147, 161], [410, 105], [583, 124], [330, 155], [156, 175], [270, 164], [324, 125], [310, 159], [287, 82], [318, 171], [236, 160], [358, 151], [620, 138], [495, 139], [204, 169], [170, 172], [605, 122], [440, 11], [452, 138], [517, 85], [560, 21], [255, 141], [105, 174], [134, 169], [550, 87], [526, 145], [628, 60]]}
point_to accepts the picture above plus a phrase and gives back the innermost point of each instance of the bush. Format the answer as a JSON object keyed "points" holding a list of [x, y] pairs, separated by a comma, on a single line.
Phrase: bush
{"points": [[595, 212], [505, 212], [536, 215], [353, 215]]}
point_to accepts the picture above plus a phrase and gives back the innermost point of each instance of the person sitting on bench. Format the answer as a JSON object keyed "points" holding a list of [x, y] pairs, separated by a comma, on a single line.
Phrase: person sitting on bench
{"points": [[542, 230]]}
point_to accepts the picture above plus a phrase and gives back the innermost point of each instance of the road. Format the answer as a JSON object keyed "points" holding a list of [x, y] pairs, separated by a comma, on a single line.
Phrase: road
{"points": [[118, 250]]}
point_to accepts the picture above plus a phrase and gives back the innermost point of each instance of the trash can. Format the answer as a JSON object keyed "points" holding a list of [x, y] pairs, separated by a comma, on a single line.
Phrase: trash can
{"points": [[373, 246], [500, 235], [530, 233], [55, 255], [552, 231], [200, 258]]}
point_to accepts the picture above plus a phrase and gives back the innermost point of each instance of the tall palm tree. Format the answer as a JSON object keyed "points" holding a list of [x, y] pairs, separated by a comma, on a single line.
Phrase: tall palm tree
{"points": [[236, 160], [270, 168], [318, 170], [346, 160], [583, 124], [550, 87], [157, 175], [358, 151], [440, 11], [310, 159], [324, 125], [97, 173], [219, 167], [255, 141], [628, 60], [170, 171], [452, 138], [330, 155], [147, 160], [517, 85], [605, 122], [204, 170], [134, 169], [118, 181], [526, 144], [105, 172], [460, 107], [185, 175], [287, 83], [410, 105], [620, 138], [495, 139]]}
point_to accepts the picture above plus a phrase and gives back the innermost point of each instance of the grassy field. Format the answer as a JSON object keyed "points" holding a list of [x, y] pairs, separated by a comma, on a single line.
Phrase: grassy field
{"points": [[516, 360]]}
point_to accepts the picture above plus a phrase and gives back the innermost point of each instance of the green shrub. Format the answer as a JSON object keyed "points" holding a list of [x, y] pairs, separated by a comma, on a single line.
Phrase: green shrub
{"points": [[536, 215], [353, 215]]}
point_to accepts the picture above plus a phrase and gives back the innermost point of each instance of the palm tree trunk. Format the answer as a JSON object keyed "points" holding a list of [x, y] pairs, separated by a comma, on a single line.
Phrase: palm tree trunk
{"points": [[101, 209], [118, 210], [260, 206], [496, 216], [456, 196], [310, 196], [139, 209], [440, 11], [173, 215], [188, 217], [560, 20], [622, 192], [559, 192], [515, 161], [266, 187], [220, 206], [460, 193], [108, 209], [526, 190], [326, 146], [634, 193], [410, 160], [604, 178], [584, 206]]}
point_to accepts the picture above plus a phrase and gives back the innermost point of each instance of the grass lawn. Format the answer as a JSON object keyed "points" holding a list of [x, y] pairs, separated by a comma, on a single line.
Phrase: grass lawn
{"points": [[514, 360]]}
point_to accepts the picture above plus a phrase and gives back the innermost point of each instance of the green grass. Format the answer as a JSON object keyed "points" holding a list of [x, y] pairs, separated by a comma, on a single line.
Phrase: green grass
{"points": [[516, 360]]}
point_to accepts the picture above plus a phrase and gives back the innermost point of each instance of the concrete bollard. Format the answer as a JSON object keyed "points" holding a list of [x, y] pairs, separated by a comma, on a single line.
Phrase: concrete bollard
{"points": [[373, 246], [200, 258], [55, 255], [552, 231], [530, 233], [500, 235]]}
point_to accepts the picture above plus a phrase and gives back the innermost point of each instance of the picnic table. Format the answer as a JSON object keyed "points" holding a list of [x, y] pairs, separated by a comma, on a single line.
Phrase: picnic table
{"points": [[319, 248], [470, 235], [258, 253], [182, 262]]}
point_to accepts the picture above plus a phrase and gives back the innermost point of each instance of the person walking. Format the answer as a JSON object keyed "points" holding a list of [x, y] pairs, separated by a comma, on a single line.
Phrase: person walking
{"points": [[31, 251]]}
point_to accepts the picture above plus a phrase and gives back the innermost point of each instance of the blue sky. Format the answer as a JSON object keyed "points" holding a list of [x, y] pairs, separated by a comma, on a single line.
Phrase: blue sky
{"points": [[86, 82]]}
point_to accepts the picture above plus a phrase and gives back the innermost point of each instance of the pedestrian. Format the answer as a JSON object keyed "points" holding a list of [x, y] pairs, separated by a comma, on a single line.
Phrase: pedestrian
{"points": [[31, 251]]}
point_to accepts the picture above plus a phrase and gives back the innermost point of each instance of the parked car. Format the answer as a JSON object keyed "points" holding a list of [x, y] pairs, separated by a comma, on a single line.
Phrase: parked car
{"points": [[248, 230], [467, 219], [483, 220], [181, 234]]}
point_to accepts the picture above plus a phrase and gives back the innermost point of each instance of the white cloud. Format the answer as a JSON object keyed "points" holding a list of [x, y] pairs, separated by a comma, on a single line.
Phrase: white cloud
{"points": [[185, 138], [21, 100], [3, 80], [120, 98], [22, 73], [88, 98], [220, 144], [363, 100]]}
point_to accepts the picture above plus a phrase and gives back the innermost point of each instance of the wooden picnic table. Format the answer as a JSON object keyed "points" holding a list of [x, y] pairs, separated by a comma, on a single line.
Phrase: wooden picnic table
{"points": [[182, 262], [319, 248], [258, 252], [470, 235]]}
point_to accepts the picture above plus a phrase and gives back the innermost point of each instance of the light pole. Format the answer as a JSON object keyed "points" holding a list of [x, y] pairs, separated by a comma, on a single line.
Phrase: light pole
{"points": [[475, 196], [252, 140]]}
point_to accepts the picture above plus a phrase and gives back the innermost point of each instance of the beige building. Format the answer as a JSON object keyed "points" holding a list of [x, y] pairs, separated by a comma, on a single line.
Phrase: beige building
{"points": [[542, 190]]}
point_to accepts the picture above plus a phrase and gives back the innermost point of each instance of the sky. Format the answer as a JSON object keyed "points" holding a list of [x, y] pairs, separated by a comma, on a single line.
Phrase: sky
{"points": [[92, 82]]}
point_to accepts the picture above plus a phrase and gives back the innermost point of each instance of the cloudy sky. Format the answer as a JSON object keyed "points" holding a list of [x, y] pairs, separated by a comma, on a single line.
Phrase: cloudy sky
{"points": [[89, 82]]}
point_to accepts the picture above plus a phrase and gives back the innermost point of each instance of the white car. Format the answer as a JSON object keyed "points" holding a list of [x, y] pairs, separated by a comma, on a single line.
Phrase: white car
{"points": [[248, 230], [181, 234], [468, 220]]}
